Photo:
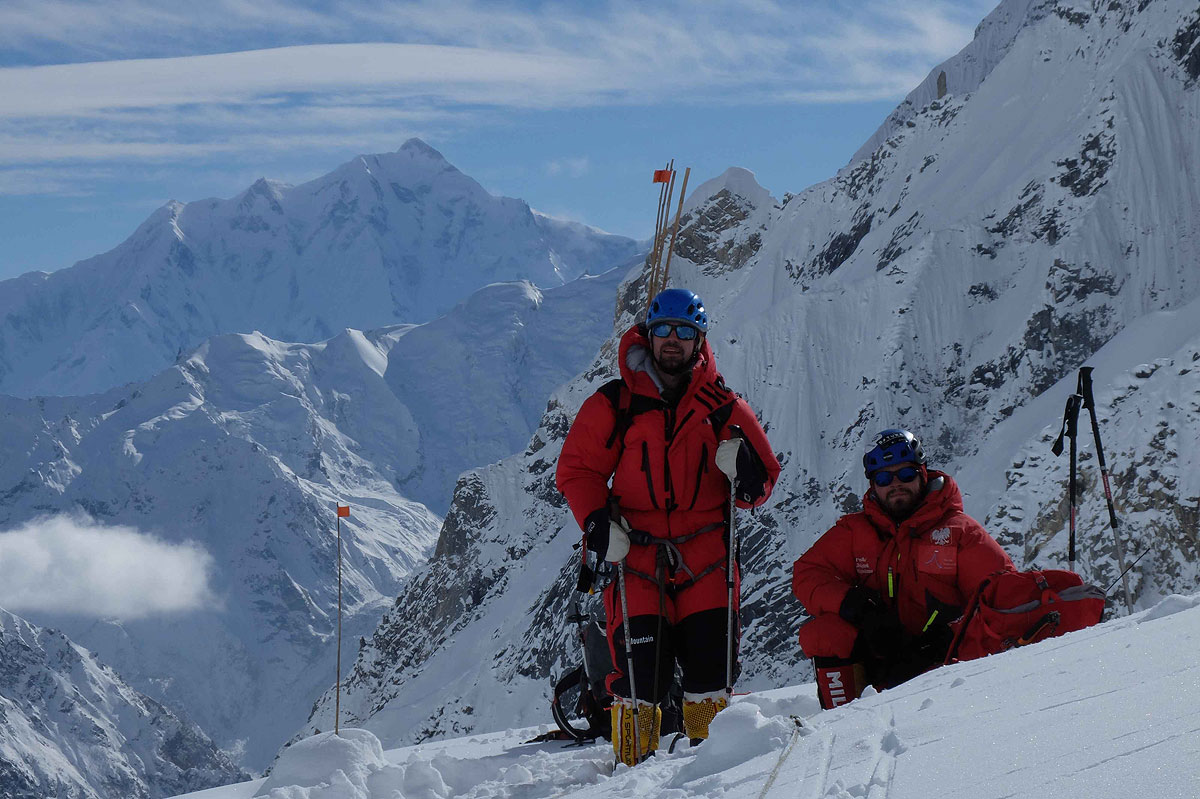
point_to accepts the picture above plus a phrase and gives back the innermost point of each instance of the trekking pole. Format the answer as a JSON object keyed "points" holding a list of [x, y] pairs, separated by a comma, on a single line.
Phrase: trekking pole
{"points": [[1070, 429], [1089, 402], [731, 564], [637, 734]]}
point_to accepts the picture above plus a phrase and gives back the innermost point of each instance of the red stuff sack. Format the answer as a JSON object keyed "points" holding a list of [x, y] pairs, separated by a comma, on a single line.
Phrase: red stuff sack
{"points": [[1013, 608]]}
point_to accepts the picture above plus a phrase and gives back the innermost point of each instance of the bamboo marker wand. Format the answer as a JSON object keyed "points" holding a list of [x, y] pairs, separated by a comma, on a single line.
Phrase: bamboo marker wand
{"points": [[675, 227], [342, 510]]}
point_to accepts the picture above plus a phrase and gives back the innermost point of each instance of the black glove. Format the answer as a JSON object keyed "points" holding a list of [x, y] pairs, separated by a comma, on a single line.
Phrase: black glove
{"points": [[884, 635], [934, 643], [859, 603], [926, 651], [752, 475], [595, 531], [880, 632]]}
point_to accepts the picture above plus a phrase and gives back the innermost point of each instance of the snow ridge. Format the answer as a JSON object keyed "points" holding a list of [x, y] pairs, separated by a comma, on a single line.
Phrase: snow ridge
{"points": [[1092, 713]]}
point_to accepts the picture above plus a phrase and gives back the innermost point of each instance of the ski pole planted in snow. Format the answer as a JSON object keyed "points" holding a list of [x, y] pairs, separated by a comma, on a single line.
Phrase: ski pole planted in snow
{"points": [[1089, 401], [342, 510], [730, 566], [1070, 429], [637, 733]]}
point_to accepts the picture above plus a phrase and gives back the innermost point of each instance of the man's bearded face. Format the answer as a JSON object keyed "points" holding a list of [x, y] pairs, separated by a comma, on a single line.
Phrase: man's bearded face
{"points": [[898, 498], [671, 355]]}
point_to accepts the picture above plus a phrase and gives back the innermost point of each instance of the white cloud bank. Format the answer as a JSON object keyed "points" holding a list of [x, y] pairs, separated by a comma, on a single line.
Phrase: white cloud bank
{"points": [[72, 565]]}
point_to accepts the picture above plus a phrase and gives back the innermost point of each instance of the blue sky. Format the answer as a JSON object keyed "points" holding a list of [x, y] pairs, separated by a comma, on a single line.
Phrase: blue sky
{"points": [[108, 110]]}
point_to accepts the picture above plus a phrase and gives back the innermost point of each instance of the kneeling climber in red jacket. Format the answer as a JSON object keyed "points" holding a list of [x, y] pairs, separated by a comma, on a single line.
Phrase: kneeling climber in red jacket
{"points": [[883, 584], [674, 442]]}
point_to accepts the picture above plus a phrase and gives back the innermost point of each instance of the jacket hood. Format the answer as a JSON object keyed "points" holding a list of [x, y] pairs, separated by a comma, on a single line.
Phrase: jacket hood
{"points": [[637, 368]]}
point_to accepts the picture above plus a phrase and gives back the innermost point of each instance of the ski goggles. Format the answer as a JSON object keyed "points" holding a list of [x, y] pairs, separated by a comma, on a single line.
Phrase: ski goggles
{"points": [[905, 475], [682, 332]]}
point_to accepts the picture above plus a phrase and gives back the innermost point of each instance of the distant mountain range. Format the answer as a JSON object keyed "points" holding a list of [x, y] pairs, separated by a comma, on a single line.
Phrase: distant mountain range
{"points": [[243, 443], [72, 729], [393, 238], [246, 445]]}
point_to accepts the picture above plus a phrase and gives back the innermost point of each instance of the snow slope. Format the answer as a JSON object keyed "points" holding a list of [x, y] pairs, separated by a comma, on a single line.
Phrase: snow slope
{"points": [[72, 729], [952, 281], [245, 445], [392, 238], [1107, 712]]}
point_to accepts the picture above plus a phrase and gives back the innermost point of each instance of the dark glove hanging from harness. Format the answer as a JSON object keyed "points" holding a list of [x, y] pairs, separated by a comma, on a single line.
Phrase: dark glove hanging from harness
{"points": [[745, 470]]}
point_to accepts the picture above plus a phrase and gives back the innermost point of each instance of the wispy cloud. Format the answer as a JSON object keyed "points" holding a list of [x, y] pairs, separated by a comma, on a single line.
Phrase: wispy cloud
{"points": [[132, 80], [568, 167], [72, 565]]}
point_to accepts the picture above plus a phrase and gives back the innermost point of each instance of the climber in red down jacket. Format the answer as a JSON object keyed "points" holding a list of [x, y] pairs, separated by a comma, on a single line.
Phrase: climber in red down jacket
{"points": [[647, 469], [883, 584]]}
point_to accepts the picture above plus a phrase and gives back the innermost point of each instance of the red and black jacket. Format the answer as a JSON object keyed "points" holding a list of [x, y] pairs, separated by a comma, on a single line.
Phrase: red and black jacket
{"points": [[661, 466]]}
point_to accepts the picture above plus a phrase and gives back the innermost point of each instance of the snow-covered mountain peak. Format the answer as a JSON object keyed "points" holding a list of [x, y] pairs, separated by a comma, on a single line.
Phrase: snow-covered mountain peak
{"points": [[964, 72], [737, 181], [417, 148], [398, 237]]}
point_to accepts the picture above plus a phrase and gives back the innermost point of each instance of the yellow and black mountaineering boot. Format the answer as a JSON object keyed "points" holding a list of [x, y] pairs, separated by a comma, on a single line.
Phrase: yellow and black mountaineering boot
{"points": [[649, 720], [699, 711]]}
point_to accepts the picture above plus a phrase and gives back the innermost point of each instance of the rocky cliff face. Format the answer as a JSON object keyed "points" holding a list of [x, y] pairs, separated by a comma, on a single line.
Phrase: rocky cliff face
{"points": [[1039, 215], [71, 728]]}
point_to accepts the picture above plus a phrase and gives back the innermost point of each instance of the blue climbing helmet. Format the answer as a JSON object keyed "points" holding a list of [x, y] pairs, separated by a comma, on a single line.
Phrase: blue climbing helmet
{"points": [[890, 447], [678, 305]]}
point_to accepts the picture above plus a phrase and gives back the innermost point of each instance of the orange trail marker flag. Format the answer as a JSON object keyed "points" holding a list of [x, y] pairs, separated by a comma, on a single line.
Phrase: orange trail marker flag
{"points": [[662, 176], [343, 510]]}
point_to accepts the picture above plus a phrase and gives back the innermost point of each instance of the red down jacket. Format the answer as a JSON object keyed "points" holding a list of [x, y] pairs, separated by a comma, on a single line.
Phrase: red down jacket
{"points": [[934, 560], [664, 477]]}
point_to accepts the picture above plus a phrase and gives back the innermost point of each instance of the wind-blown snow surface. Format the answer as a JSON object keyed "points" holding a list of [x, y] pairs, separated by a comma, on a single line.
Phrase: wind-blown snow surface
{"points": [[244, 447], [1108, 712], [393, 238], [951, 281], [72, 729]]}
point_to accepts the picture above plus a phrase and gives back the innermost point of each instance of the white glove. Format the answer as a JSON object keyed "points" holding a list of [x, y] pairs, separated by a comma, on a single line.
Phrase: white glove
{"points": [[727, 452], [618, 540]]}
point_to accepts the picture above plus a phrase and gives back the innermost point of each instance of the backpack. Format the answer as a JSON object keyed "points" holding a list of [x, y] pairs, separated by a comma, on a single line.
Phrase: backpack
{"points": [[1012, 608], [580, 695]]}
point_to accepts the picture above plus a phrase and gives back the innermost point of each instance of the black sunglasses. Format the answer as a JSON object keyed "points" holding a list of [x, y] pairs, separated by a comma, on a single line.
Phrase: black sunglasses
{"points": [[683, 332], [905, 475]]}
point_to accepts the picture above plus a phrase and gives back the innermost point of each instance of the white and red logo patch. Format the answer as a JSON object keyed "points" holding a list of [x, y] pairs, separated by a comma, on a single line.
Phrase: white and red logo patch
{"points": [[940, 537]]}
